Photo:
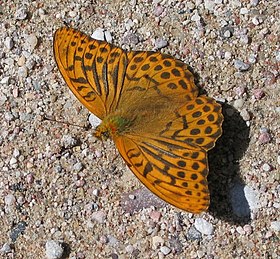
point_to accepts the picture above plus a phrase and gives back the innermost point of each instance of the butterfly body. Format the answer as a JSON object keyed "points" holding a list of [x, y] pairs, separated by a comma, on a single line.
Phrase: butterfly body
{"points": [[149, 105], [112, 127]]}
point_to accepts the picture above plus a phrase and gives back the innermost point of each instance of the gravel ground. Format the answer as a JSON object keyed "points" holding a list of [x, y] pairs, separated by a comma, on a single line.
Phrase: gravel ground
{"points": [[63, 194]]}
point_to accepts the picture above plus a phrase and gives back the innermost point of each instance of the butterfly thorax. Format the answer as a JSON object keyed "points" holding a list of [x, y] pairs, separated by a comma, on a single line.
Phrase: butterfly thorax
{"points": [[112, 126]]}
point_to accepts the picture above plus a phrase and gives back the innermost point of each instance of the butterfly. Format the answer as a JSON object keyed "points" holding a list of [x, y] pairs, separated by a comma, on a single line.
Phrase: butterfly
{"points": [[149, 105]]}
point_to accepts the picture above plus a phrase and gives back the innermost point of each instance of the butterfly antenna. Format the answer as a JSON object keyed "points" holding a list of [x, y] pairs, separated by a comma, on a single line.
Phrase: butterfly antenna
{"points": [[63, 122]]}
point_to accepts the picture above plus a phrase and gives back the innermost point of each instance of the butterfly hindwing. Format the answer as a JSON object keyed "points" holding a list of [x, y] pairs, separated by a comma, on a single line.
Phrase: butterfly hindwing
{"points": [[173, 170]]}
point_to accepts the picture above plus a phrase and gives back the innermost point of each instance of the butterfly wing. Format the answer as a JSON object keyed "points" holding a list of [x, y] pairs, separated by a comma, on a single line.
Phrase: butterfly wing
{"points": [[173, 162], [174, 171], [94, 70]]}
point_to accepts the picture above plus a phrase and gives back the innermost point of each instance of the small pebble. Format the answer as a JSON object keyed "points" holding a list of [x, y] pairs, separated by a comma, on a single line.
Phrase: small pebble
{"points": [[255, 21], [252, 59], [245, 115], [131, 38], [6, 248], [95, 192], [238, 103], [5, 80], [165, 250], [94, 121], [155, 216], [99, 216], [252, 197], [194, 234], [196, 17], [129, 249], [98, 34], [108, 36], [158, 10], [17, 230], [54, 249], [160, 43], [29, 178], [240, 90], [240, 65], [22, 72], [78, 166], [80, 183], [21, 14], [156, 241], [240, 230], [68, 141], [203, 226], [275, 226], [131, 196], [243, 10], [266, 167], [13, 161], [264, 138], [248, 229], [254, 2], [9, 43], [259, 94], [31, 42]]}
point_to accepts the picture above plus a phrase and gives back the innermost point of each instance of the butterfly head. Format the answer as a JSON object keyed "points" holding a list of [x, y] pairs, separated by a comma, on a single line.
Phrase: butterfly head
{"points": [[112, 126]]}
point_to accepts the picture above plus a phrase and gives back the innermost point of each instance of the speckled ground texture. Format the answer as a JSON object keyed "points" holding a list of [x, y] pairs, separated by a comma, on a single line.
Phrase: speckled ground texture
{"points": [[63, 194]]}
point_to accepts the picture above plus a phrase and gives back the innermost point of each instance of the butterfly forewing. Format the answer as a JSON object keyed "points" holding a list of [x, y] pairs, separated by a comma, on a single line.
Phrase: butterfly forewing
{"points": [[94, 70]]}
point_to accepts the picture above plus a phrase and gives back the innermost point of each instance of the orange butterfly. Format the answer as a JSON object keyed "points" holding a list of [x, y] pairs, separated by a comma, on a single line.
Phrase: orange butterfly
{"points": [[149, 106]]}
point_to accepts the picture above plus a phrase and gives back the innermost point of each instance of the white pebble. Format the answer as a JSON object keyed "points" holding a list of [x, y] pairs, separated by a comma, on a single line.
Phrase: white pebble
{"points": [[21, 14], [266, 167], [203, 226], [245, 115], [98, 34], [227, 34], [13, 161], [22, 72], [275, 225], [95, 192], [78, 167], [6, 248], [243, 10], [209, 4], [238, 103], [131, 196], [252, 197], [108, 36], [68, 141], [5, 80], [196, 17], [94, 121], [165, 250], [16, 152], [54, 249], [240, 65], [227, 55], [129, 249], [9, 43], [255, 21], [31, 42], [278, 159], [10, 200]]}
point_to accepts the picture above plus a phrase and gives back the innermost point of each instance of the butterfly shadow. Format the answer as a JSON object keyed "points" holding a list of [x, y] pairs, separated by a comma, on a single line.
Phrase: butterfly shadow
{"points": [[224, 170]]}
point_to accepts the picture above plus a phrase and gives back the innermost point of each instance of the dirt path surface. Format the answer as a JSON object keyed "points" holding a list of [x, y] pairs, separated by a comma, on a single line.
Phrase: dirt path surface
{"points": [[64, 194]]}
